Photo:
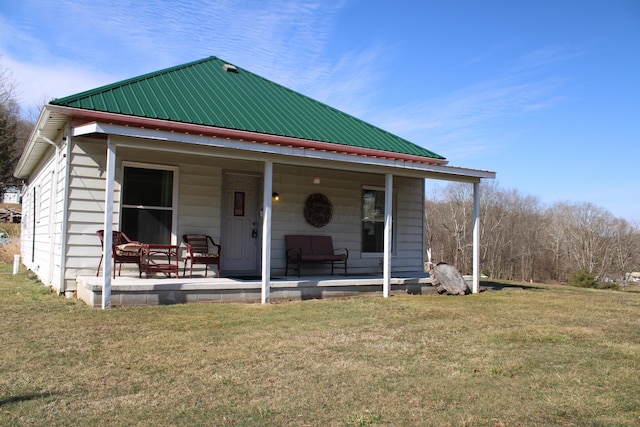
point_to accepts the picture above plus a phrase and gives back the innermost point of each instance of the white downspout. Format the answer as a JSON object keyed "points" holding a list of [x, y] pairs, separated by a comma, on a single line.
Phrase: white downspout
{"points": [[65, 218], [52, 221], [266, 232], [388, 225], [476, 238]]}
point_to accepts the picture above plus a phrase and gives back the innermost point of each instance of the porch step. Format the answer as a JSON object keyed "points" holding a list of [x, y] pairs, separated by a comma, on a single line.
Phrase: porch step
{"points": [[130, 291]]}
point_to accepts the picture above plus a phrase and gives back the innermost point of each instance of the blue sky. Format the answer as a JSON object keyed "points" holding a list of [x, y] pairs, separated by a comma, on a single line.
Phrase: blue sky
{"points": [[545, 93]]}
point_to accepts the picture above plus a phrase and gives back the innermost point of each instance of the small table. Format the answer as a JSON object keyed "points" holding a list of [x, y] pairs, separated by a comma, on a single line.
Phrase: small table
{"points": [[159, 258]]}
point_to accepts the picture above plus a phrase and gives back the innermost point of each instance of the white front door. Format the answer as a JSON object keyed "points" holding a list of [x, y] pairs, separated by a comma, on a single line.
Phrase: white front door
{"points": [[241, 223]]}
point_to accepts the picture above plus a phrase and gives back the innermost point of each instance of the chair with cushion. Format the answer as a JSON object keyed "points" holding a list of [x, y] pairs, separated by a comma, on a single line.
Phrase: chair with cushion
{"points": [[201, 249], [123, 250]]}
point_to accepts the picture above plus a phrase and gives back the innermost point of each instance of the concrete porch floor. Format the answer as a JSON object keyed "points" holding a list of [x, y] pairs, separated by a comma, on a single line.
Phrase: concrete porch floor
{"points": [[132, 291]]}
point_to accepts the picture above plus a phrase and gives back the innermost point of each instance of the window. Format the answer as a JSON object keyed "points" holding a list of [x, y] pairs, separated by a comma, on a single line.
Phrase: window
{"points": [[37, 202], [372, 220], [148, 204], [52, 202]]}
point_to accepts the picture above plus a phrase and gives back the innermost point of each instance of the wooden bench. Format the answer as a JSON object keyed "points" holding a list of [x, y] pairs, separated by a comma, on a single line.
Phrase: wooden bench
{"points": [[313, 249]]}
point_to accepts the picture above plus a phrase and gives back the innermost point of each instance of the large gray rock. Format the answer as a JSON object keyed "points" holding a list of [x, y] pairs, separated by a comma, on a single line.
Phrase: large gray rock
{"points": [[448, 280]]}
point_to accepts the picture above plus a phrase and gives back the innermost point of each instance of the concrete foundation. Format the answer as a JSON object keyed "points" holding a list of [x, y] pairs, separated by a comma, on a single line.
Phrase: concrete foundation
{"points": [[130, 291]]}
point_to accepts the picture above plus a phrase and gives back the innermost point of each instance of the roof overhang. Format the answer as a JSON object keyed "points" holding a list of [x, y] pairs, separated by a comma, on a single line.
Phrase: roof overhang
{"points": [[87, 122], [49, 126]]}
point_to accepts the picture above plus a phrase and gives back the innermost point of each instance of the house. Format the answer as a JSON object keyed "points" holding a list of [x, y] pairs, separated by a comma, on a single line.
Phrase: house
{"points": [[11, 195], [203, 148]]}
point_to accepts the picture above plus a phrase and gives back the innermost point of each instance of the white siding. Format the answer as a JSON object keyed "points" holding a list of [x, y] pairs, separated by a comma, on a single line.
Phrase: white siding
{"points": [[42, 227], [85, 213], [59, 229], [409, 249]]}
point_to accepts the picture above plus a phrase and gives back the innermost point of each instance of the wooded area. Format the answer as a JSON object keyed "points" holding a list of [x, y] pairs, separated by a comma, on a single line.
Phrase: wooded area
{"points": [[14, 130], [523, 240]]}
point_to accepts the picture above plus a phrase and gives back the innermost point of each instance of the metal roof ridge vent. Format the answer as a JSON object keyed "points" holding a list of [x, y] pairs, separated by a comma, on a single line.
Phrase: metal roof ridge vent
{"points": [[230, 68]]}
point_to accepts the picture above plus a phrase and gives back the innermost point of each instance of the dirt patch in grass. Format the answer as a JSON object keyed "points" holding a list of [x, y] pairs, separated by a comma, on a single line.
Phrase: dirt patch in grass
{"points": [[539, 355]]}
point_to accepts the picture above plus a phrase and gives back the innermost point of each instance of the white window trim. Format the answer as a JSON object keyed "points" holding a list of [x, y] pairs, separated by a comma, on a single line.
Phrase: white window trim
{"points": [[52, 204], [26, 208], [393, 225], [174, 195], [38, 203]]}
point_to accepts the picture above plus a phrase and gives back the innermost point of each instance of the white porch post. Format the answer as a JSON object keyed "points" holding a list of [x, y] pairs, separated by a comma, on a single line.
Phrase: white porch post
{"points": [[266, 232], [476, 238], [388, 223], [108, 224]]}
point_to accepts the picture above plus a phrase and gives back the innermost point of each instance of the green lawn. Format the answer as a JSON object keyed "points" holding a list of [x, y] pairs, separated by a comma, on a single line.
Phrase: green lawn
{"points": [[529, 356]]}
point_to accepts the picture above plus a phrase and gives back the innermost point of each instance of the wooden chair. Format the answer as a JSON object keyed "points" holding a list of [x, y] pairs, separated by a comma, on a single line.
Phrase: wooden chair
{"points": [[201, 249], [123, 250]]}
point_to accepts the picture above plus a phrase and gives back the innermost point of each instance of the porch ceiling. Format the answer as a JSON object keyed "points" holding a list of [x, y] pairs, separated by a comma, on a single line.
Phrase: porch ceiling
{"points": [[286, 151]]}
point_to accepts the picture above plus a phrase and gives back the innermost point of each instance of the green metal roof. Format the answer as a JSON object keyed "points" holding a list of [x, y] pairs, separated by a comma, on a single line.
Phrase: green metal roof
{"points": [[206, 93]]}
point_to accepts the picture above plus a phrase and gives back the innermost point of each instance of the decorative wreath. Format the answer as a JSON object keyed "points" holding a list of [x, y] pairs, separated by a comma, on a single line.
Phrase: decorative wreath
{"points": [[318, 210]]}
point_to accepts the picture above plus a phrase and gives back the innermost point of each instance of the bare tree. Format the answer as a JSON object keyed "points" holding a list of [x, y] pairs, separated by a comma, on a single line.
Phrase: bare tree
{"points": [[555, 242], [587, 232], [528, 232], [449, 225], [495, 237], [625, 243], [522, 240], [14, 129]]}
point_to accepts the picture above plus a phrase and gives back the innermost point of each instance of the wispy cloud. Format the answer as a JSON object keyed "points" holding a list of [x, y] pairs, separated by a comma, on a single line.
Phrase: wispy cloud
{"points": [[38, 84], [74, 45], [84, 43], [455, 124]]}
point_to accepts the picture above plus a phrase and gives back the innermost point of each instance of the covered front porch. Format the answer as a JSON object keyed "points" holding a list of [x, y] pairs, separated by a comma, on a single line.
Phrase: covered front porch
{"points": [[133, 291]]}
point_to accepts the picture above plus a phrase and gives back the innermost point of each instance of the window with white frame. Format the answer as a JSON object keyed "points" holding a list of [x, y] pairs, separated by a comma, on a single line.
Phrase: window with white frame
{"points": [[148, 203], [52, 202], [26, 209], [38, 203], [373, 214]]}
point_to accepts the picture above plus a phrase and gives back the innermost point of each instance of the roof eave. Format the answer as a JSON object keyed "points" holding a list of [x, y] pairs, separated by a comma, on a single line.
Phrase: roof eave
{"points": [[46, 129]]}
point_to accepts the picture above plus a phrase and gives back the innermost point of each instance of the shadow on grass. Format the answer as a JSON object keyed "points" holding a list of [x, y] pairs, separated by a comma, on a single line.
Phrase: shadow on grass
{"points": [[23, 398], [490, 285]]}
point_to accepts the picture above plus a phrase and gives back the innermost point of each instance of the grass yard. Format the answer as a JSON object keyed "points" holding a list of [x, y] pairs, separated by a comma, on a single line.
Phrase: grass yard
{"points": [[533, 356]]}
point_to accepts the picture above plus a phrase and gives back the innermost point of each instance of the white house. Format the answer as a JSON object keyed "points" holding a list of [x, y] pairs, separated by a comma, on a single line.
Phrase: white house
{"points": [[203, 148], [11, 196]]}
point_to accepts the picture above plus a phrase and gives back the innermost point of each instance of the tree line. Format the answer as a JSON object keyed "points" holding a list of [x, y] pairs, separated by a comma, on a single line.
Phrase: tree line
{"points": [[523, 240], [14, 130]]}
